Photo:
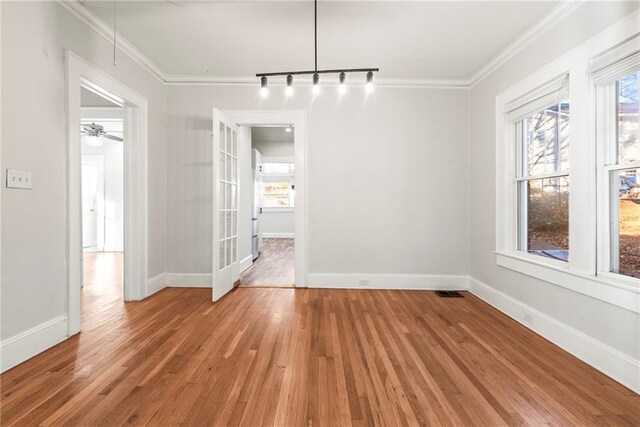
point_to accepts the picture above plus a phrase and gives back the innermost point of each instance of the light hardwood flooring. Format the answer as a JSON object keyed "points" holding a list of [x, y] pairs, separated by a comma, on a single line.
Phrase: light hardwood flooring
{"points": [[302, 357], [274, 267]]}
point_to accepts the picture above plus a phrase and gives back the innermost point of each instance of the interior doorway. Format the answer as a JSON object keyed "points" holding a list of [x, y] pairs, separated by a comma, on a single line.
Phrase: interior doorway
{"points": [[102, 177], [247, 186], [271, 184], [132, 266]]}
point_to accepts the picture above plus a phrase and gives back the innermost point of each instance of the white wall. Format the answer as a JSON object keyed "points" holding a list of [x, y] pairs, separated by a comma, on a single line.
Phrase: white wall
{"points": [[277, 224], [34, 37], [608, 324], [382, 170]]}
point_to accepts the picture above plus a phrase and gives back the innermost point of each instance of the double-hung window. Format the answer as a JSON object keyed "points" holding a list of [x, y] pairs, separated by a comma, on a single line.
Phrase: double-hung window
{"points": [[618, 138], [568, 170], [278, 185], [541, 136]]}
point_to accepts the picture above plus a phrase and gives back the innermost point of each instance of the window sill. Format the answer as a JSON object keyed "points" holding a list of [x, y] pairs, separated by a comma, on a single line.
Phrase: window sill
{"points": [[277, 210], [604, 288]]}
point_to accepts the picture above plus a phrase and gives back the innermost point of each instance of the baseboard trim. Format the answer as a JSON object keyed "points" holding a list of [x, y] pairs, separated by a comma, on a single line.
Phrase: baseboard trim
{"points": [[156, 284], [389, 281], [278, 235], [611, 362], [28, 344], [246, 263], [187, 280]]}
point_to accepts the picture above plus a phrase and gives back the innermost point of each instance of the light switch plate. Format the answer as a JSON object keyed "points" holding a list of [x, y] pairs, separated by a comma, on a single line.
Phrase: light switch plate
{"points": [[18, 179]]}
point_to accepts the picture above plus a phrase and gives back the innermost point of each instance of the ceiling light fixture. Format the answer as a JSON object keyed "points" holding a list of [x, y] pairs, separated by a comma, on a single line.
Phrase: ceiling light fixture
{"points": [[315, 72], [342, 87], [289, 89], [288, 128], [369, 85]]}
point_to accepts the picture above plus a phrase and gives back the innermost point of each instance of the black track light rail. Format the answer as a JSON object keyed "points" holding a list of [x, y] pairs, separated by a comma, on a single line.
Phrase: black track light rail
{"points": [[336, 71], [315, 72]]}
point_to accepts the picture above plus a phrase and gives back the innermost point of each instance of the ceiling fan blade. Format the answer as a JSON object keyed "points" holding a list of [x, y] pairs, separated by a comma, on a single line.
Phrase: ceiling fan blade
{"points": [[112, 137]]}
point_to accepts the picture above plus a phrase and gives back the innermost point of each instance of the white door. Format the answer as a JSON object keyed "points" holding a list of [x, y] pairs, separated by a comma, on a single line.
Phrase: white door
{"points": [[91, 177], [225, 204]]}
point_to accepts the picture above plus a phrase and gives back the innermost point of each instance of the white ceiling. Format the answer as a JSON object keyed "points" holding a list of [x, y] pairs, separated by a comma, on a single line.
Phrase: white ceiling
{"points": [[271, 134], [412, 40]]}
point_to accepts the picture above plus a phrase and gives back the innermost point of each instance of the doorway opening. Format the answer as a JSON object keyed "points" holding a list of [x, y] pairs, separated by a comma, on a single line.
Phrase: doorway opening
{"points": [[271, 185], [81, 75], [249, 182], [102, 177]]}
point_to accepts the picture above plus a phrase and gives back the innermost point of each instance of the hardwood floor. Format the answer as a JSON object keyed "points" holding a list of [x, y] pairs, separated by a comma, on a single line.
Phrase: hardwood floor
{"points": [[103, 280], [274, 266], [300, 357]]}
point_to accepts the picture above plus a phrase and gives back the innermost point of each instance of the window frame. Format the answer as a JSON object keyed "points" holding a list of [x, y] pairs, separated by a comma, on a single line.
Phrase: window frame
{"points": [[523, 176], [277, 177], [607, 142], [583, 273]]}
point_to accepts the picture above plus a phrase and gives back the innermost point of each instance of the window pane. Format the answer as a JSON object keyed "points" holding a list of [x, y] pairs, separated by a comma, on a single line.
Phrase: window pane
{"points": [[546, 140], [625, 222], [546, 209], [278, 168], [628, 119], [275, 194]]}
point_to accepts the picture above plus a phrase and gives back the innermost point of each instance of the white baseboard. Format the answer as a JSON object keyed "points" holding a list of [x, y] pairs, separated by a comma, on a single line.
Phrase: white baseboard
{"points": [[156, 283], [246, 263], [27, 344], [611, 362], [278, 235], [187, 280], [389, 281]]}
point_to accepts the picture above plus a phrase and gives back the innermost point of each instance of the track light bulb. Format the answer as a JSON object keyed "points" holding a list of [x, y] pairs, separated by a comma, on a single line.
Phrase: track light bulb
{"points": [[289, 89], [369, 85], [342, 87], [288, 129], [264, 90], [316, 84]]}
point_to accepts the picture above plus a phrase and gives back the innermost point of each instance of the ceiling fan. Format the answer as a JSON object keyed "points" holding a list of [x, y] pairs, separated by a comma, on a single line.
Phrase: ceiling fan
{"points": [[95, 132]]}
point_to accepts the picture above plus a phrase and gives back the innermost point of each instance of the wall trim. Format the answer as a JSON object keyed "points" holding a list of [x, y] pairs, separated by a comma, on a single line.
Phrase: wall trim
{"points": [[187, 280], [523, 40], [526, 38], [156, 284], [389, 281], [105, 30], [611, 362], [27, 344], [246, 263], [278, 235]]}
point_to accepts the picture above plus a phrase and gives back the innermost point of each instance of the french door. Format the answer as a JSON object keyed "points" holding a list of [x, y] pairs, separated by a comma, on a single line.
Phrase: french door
{"points": [[225, 206]]}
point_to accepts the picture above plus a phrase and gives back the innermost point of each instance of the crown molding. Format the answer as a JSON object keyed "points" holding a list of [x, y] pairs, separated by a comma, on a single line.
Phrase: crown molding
{"points": [[525, 39], [106, 31], [531, 34]]}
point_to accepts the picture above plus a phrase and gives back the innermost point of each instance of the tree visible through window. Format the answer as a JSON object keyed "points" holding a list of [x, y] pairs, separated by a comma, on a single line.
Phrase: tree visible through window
{"points": [[543, 182], [624, 181]]}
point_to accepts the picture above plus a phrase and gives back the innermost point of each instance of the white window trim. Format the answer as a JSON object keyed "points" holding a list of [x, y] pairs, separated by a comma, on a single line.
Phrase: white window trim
{"points": [[579, 274]]}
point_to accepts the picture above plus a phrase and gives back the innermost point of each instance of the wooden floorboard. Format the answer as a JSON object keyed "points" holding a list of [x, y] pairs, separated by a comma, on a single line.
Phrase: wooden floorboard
{"points": [[274, 267], [296, 357]]}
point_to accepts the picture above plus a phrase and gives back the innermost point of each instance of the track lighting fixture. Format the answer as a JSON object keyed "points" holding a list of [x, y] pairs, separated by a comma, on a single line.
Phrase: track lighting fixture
{"points": [[369, 85], [342, 87], [289, 90], [264, 90], [315, 72], [288, 128]]}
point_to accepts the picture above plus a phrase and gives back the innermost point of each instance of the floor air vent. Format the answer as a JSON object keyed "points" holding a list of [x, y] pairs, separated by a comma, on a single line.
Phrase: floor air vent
{"points": [[449, 294]]}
